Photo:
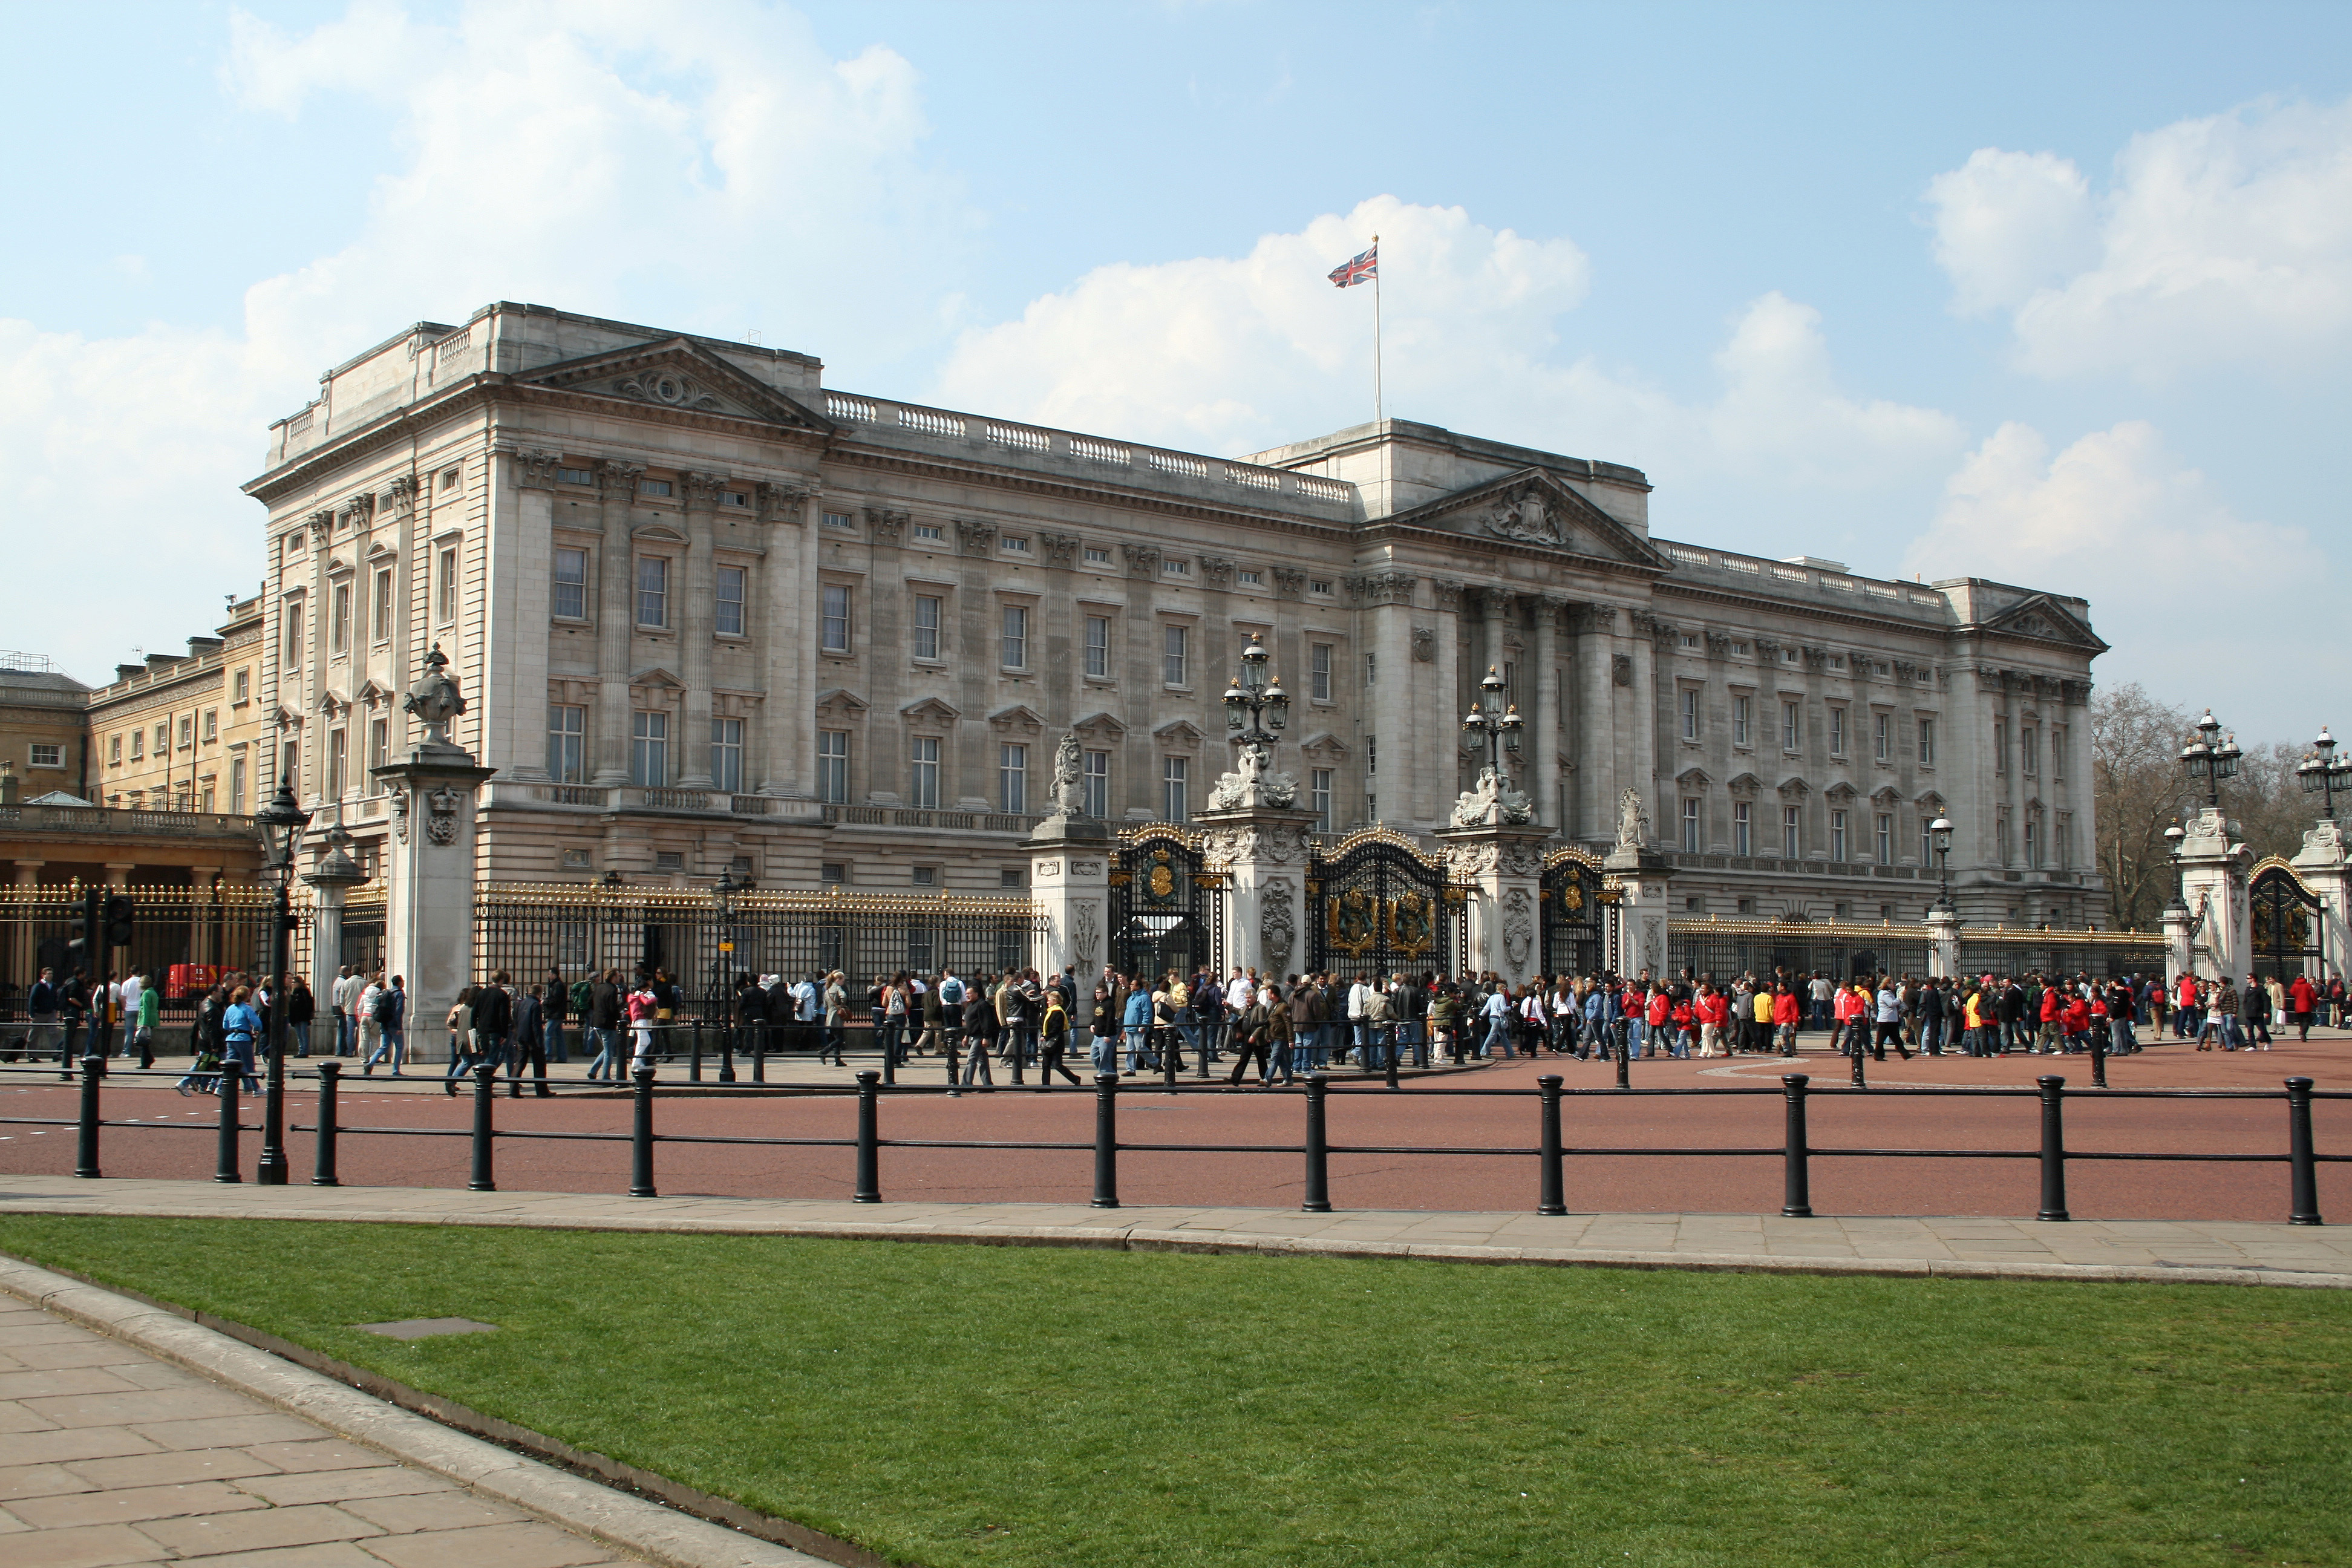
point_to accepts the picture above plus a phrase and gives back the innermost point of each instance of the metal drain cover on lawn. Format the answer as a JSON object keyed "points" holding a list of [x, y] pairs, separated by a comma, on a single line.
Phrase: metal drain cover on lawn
{"points": [[426, 1328]]}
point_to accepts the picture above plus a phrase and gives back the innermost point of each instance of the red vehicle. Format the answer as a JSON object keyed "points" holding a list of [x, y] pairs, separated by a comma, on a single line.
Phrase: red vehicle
{"points": [[182, 980]]}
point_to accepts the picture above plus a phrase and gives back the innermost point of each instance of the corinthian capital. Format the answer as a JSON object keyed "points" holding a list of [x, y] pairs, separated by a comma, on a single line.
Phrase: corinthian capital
{"points": [[618, 482]]}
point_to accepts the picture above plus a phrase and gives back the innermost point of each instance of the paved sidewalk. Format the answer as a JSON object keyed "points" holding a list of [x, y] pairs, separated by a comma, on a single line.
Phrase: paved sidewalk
{"points": [[2215, 1252], [108, 1455]]}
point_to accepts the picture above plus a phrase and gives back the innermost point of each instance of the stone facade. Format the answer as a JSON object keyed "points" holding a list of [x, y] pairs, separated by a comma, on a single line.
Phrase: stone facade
{"points": [[712, 612], [184, 733]]}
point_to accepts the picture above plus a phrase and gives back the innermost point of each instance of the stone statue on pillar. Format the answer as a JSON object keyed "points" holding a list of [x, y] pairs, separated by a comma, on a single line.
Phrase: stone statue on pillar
{"points": [[430, 884], [1069, 873], [1641, 872]]}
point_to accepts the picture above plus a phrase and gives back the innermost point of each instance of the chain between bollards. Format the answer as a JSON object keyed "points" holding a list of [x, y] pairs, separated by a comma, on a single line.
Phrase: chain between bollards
{"points": [[641, 1134], [2303, 1205], [485, 1089], [1319, 1157], [1106, 1141], [93, 1068], [1552, 1192], [869, 1152], [2054, 1147], [1796, 1181], [331, 1072], [225, 1167]]}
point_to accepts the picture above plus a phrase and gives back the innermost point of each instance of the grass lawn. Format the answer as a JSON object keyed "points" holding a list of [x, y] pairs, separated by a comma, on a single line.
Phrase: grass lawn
{"points": [[949, 1404]]}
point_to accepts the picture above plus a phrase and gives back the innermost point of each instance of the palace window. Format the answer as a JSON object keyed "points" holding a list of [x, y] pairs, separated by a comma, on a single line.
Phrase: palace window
{"points": [[839, 519], [1690, 826], [575, 477], [1885, 845], [342, 639], [570, 602], [1175, 663], [1011, 779], [649, 750], [1094, 781], [729, 594], [382, 632], [138, 743], [1098, 647], [1837, 731], [379, 754], [188, 733], [1790, 844], [293, 633], [114, 751], [450, 480], [1015, 543], [833, 766], [289, 765], [1881, 745], [1174, 804], [1926, 839], [833, 632], [447, 612], [923, 773], [654, 488], [2001, 745], [47, 754], [338, 742], [927, 625], [241, 688], [2029, 750], [1318, 798], [1318, 671], [1739, 711], [1017, 637], [211, 725], [1741, 840], [652, 591], [1098, 556], [236, 785], [1251, 579], [929, 534], [1172, 567], [1791, 728], [1688, 702], [1927, 743], [1837, 835], [567, 740], [727, 756], [2032, 845]]}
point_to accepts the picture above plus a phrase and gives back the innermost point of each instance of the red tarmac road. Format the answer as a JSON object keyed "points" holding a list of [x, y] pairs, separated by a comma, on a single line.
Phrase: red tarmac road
{"points": [[1446, 1112]]}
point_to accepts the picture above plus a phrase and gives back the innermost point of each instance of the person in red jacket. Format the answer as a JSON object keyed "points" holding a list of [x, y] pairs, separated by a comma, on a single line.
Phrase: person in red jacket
{"points": [[2075, 1021], [1713, 1009], [2301, 1000], [1785, 1015], [2188, 1016]]}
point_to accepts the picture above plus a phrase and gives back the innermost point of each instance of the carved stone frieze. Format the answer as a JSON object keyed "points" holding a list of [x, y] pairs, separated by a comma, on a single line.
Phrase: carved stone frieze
{"points": [[321, 523], [666, 388], [702, 489], [1061, 549], [1524, 514], [1142, 560], [1279, 844], [1289, 581], [1817, 659], [399, 496], [975, 538], [1519, 927], [884, 524], [782, 503], [1277, 927], [534, 469], [1217, 572], [1621, 669], [1382, 588]]}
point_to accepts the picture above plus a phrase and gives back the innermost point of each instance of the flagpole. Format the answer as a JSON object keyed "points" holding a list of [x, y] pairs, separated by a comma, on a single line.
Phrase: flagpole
{"points": [[1378, 415]]}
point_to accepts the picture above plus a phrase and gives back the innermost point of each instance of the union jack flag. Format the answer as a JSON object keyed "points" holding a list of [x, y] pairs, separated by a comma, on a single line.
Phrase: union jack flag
{"points": [[1359, 269]]}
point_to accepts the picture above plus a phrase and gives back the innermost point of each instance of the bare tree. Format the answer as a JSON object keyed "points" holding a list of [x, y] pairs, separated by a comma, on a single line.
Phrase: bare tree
{"points": [[2137, 778]]}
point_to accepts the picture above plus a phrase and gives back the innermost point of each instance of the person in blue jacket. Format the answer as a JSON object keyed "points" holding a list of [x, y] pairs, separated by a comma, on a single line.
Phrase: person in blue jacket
{"points": [[240, 1028], [1135, 1021]]}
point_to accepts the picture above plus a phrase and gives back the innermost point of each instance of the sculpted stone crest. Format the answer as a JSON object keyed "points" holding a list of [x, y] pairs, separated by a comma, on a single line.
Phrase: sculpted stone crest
{"points": [[1277, 930], [1493, 804], [1253, 782], [1523, 513], [441, 821], [1519, 928]]}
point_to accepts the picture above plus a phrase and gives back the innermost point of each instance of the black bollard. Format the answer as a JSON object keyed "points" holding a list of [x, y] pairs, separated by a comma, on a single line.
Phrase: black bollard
{"points": [[2098, 1056], [1393, 1061], [1552, 1194], [2302, 1208], [869, 1160], [93, 1068], [1624, 1065], [890, 1062], [1106, 1141], [2054, 1147], [486, 1090], [1854, 1046], [727, 1053], [1319, 1158], [331, 1072], [641, 1136], [694, 1057], [1796, 1181], [225, 1169], [759, 1053]]}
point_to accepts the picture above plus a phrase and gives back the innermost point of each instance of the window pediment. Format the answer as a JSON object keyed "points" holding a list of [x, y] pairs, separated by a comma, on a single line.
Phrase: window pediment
{"points": [[929, 711], [1324, 747], [1178, 735], [839, 703], [1745, 783], [1692, 778], [1102, 728], [1020, 718], [1794, 789]]}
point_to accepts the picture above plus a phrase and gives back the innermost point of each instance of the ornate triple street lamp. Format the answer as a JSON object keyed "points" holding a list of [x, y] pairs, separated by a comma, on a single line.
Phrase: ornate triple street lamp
{"points": [[1940, 833], [1258, 709], [2173, 836], [1498, 724], [2322, 775], [280, 822], [2208, 760]]}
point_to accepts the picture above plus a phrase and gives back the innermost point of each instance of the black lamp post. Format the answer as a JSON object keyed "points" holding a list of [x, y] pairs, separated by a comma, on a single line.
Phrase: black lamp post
{"points": [[2173, 836], [281, 824], [2208, 760], [1498, 724], [724, 892], [1939, 832], [2322, 775], [1258, 709]]}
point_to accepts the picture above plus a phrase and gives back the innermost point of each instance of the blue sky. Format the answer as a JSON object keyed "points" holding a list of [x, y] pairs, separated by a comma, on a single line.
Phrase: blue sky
{"points": [[2055, 294]]}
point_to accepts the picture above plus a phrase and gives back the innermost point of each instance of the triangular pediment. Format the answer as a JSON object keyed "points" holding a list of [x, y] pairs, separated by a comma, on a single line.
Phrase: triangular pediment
{"points": [[1179, 734], [928, 711], [2044, 617], [1840, 793], [1693, 778], [1794, 789], [839, 702], [1019, 716], [1100, 727], [1745, 783], [679, 374], [657, 676], [1535, 507], [1323, 746]]}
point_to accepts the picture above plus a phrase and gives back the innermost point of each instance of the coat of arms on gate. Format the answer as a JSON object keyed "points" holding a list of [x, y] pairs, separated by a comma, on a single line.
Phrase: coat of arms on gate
{"points": [[1161, 880], [1355, 921], [1411, 930]]}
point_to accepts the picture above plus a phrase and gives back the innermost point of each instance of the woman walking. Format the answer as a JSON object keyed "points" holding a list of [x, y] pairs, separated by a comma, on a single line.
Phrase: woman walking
{"points": [[240, 1026]]}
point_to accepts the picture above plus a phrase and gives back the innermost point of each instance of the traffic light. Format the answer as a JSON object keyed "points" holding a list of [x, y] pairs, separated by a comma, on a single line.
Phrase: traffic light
{"points": [[82, 946], [119, 915]]}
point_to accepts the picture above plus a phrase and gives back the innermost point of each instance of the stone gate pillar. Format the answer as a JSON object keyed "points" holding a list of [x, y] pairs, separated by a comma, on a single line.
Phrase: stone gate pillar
{"points": [[329, 881], [1263, 851], [1069, 880], [2325, 864], [1943, 942], [1643, 876], [1503, 863], [429, 880], [2213, 884]]}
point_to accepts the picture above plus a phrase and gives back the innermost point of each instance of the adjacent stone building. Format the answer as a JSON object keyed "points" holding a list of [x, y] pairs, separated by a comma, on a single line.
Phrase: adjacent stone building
{"points": [[710, 613]]}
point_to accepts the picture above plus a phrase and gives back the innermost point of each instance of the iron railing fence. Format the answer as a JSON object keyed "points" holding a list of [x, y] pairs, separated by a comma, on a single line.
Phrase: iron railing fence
{"points": [[1842, 949], [1795, 1152]]}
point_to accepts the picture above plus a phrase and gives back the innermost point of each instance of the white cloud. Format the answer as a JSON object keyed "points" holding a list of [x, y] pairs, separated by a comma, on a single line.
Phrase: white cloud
{"points": [[2222, 240], [2196, 600], [1239, 353], [708, 167]]}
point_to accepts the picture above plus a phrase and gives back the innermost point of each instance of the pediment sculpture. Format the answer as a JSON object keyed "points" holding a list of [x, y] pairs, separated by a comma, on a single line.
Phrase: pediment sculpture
{"points": [[1524, 514], [1493, 804]]}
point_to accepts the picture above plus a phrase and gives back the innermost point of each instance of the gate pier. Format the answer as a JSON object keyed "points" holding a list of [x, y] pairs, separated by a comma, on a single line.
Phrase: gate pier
{"points": [[1503, 865], [1069, 879], [1263, 852]]}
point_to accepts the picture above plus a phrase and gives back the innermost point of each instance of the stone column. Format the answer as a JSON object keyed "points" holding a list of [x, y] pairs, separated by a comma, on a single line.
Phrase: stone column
{"points": [[2213, 884], [2325, 864], [788, 642], [1543, 723], [693, 631], [1263, 850], [1943, 942], [118, 872], [429, 875], [1069, 882], [329, 882], [1443, 749], [1642, 873], [519, 589], [20, 934], [1503, 862], [2179, 942], [615, 620], [1389, 706]]}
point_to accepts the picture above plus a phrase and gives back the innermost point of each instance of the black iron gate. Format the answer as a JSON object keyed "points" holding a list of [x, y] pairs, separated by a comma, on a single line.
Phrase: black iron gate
{"points": [[2288, 924], [1572, 913], [1165, 905], [1376, 904]]}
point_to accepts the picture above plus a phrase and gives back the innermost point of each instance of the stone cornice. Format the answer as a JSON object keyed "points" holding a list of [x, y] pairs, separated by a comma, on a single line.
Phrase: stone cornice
{"points": [[1756, 604]]}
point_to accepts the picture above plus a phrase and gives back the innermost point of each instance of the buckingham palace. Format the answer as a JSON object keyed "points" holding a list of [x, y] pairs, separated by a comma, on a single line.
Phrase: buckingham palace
{"points": [[711, 613]]}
